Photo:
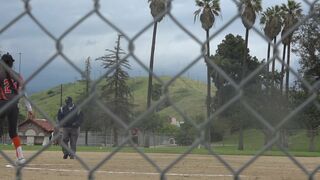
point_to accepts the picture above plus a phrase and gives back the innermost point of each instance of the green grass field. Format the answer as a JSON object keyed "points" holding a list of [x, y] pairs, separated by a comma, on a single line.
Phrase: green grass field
{"points": [[253, 143], [221, 150]]}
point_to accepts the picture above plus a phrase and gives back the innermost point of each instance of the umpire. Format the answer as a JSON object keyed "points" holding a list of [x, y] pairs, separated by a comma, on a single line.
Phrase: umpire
{"points": [[70, 126]]}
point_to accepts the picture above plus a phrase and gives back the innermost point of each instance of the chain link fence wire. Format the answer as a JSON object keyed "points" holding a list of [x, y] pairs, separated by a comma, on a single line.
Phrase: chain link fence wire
{"points": [[200, 139]]}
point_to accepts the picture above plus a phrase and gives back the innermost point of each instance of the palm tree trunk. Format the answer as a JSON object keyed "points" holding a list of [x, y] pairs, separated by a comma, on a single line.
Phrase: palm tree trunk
{"points": [[208, 87], [105, 136], [274, 60], [268, 69], [244, 71], [287, 81], [153, 46], [268, 56], [86, 137], [287, 71], [282, 67], [115, 136]]}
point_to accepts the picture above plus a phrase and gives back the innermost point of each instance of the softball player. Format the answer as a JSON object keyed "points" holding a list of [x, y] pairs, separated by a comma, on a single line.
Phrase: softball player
{"points": [[10, 87]]}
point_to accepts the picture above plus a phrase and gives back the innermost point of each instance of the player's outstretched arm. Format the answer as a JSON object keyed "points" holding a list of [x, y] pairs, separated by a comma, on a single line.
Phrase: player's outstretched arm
{"points": [[28, 106]]}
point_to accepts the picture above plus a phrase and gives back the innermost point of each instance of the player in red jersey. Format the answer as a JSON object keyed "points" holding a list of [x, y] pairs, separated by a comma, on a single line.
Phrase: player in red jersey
{"points": [[10, 86]]}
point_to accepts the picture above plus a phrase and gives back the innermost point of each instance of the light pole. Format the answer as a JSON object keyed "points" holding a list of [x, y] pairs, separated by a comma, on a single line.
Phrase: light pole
{"points": [[20, 62]]}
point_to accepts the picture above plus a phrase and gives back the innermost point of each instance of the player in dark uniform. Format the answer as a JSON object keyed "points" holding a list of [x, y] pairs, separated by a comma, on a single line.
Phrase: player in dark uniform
{"points": [[10, 86]]}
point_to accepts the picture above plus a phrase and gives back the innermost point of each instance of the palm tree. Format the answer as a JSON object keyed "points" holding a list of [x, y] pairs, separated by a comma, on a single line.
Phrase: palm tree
{"points": [[248, 16], [158, 8], [208, 9], [276, 25], [272, 20], [291, 12], [266, 21], [284, 42], [273, 24]]}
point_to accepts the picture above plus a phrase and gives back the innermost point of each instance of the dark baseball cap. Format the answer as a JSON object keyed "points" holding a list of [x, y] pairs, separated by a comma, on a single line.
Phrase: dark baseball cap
{"points": [[7, 58], [68, 100]]}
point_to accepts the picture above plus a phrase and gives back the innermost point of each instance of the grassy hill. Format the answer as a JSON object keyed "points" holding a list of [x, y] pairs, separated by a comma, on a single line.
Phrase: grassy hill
{"points": [[188, 95]]}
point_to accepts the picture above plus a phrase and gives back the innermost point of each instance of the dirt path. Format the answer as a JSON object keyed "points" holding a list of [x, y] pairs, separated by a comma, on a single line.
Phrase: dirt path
{"points": [[122, 166]]}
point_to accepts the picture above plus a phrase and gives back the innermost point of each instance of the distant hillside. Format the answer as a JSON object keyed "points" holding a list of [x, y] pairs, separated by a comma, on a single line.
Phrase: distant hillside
{"points": [[188, 95]]}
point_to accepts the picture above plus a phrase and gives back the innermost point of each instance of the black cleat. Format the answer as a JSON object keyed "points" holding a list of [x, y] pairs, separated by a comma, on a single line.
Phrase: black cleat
{"points": [[65, 156]]}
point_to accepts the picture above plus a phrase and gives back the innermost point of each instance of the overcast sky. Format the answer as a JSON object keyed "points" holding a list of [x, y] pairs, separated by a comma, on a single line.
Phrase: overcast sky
{"points": [[175, 49]]}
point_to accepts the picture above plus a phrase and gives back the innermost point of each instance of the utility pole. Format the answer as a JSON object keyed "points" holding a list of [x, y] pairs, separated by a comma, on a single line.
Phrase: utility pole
{"points": [[20, 62], [60, 95]]}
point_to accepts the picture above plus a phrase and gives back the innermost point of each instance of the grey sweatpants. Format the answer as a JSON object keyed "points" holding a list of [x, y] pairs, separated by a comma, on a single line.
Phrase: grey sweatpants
{"points": [[70, 135]]}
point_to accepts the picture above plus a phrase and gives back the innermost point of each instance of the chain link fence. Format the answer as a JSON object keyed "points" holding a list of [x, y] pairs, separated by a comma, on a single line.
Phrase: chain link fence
{"points": [[98, 139], [201, 128]]}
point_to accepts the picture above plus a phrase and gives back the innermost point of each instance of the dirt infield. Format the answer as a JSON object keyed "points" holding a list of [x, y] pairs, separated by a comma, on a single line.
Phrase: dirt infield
{"points": [[50, 166]]}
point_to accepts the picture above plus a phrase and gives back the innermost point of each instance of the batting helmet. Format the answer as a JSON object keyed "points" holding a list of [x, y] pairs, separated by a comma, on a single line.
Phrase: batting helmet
{"points": [[7, 58]]}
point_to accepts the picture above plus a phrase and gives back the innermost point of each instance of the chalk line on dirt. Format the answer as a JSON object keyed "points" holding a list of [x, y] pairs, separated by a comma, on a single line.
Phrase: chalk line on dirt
{"points": [[127, 172]]}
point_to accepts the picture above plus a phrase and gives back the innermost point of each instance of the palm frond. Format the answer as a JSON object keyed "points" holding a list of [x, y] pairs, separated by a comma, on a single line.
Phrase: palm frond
{"points": [[257, 6], [215, 6], [263, 19], [199, 3], [216, 13], [196, 14], [266, 16]]}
